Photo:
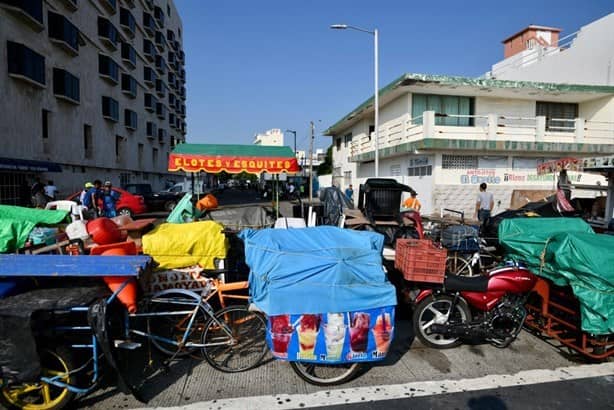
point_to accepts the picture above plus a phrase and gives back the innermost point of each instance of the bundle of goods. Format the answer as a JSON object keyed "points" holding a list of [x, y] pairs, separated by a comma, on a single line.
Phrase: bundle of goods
{"points": [[325, 292], [460, 238]]}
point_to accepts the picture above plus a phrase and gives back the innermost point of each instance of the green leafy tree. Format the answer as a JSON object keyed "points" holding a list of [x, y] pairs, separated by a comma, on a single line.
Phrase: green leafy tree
{"points": [[326, 167]]}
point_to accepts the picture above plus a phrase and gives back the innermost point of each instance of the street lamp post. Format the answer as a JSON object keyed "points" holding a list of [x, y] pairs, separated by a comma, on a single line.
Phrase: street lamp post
{"points": [[293, 132], [376, 81]]}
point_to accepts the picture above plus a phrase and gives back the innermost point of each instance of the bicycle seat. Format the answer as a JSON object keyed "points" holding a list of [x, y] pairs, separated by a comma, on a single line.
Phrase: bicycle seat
{"points": [[470, 283]]}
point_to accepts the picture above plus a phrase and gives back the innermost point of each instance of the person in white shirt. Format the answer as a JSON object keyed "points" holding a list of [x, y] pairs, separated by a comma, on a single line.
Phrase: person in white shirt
{"points": [[51, 190], [484, 204]]}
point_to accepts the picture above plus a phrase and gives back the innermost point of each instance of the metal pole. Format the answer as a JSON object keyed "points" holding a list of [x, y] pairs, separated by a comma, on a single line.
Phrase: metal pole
{"points": [[376, 102], [311, 162]]}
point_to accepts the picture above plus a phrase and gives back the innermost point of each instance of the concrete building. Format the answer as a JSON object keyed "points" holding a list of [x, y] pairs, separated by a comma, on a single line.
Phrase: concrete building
{"points": [[538, 54], [444, 135], [95, 89], [273, 137]]}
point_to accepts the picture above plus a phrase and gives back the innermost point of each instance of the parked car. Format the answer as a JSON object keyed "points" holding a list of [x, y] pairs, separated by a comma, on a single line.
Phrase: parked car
{"points": [[186, 187], [155, 201], [128, 204]]}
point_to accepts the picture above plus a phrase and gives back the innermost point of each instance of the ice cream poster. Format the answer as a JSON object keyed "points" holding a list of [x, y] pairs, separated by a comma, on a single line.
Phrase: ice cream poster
{"points": [[342, 337]]}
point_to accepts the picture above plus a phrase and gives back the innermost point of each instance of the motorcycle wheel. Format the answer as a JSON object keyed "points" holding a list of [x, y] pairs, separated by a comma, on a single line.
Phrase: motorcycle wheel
{"points": [[326, 375], [436, 310]]}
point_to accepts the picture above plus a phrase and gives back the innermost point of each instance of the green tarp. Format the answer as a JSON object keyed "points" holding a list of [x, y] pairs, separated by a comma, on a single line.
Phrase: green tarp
{"points": [[16, 223], [569, 253]]}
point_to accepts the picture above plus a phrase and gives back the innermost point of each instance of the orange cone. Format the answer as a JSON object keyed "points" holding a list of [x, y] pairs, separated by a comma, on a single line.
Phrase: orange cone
{"points": [[128, 294]]}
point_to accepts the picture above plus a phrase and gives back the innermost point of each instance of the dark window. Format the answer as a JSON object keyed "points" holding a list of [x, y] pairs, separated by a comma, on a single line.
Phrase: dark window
{"points": [[168, 9], [25, 62], [171, 99], [110, 108], [111, 4], [160, 64], [150, 102], [338, 143], [107, 67], [160, 110], [159, 15], [152, 129], [65, 84], [88, 147], [148, 23], [118, 146], [449, 109], [171, 78], [149, 75], [159, 39], [560, 117], [422, 171], [148, 48], [347, 139], [140, 155], [129, 85], [126, 20], [33, 8], [160, 88], [63, 30], [45, 124], [170, 35], [162, 135], [179, 32], [130, 119], [154, 156], [171, 119], [107, 31], [129, 54]]}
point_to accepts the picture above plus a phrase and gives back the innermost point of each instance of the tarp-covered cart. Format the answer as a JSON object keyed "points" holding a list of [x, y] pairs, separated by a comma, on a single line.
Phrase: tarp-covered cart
{"points": [[573, 302]]}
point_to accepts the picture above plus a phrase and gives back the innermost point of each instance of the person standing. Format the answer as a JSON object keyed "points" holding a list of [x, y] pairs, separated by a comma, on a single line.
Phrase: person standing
{"points": [[109, 199], [412, 202], [83, 193], [51, 190], [349, 192], [484, 205], [90, 201]]}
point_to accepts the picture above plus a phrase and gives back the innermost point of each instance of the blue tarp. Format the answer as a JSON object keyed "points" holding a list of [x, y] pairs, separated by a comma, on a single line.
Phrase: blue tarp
{"points": [[316, 270]]}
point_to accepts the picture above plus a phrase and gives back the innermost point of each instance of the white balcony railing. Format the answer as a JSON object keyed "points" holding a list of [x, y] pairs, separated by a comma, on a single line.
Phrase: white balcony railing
{"points": [[491, 127]]}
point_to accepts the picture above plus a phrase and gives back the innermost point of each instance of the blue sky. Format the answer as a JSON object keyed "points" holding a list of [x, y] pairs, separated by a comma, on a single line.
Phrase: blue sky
{"points": [[256, 65]]}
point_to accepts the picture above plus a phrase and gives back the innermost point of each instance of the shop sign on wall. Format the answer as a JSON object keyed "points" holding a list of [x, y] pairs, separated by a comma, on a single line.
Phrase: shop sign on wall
{"points": [[504, 176]]}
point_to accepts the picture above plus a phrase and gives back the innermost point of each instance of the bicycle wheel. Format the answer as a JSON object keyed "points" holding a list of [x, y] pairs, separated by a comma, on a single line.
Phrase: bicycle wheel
{"points": [[234, 339], [326, 374], [40, 395], [457, 265], [173, 326]]}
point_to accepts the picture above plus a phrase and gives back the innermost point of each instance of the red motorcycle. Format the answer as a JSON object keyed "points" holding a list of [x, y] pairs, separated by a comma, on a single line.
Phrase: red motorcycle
{"points": [[488, 308]]}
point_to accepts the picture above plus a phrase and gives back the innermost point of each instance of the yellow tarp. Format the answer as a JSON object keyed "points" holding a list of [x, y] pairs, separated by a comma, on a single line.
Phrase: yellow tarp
{"points": [[188, 244]]}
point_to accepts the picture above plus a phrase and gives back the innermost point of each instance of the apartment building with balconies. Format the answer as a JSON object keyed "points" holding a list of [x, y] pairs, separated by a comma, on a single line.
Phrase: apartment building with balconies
{"points": [[445, 135], [90, 90]]}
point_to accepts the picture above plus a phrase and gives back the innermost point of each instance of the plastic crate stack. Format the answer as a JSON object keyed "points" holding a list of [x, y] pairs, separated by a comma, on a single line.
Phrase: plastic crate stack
{"points": [[420, 260]]}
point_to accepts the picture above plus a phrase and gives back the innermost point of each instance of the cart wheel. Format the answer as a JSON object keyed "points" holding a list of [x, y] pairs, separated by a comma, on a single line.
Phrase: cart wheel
{"points": [[326, 374], [40, 395], [172, 326], [235, 339]]}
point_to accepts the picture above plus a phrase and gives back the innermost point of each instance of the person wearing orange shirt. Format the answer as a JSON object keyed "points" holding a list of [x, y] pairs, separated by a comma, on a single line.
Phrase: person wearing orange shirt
{"points": [[412, 202]]}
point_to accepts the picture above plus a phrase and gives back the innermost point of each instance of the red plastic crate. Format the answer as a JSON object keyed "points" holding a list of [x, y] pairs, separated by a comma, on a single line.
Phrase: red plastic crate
{"points": [[420, 260]]}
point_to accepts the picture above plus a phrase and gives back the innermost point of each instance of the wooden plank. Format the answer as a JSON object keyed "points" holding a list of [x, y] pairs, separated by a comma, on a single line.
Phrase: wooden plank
{"points": [[68, 265]]}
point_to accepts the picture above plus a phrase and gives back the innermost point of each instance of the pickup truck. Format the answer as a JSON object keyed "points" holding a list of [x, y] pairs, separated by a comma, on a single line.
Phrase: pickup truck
{"points": [[155, 201]]}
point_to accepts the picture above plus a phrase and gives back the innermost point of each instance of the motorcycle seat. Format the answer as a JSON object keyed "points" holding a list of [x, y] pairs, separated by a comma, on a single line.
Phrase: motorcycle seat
{"points": [[464, 283]]}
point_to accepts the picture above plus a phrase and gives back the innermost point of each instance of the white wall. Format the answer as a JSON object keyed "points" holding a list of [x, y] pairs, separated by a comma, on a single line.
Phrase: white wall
{"points": [[502, 106]]}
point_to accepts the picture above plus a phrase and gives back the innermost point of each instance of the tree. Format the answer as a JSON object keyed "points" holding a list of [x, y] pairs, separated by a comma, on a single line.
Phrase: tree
{"points": [[326, 167]]}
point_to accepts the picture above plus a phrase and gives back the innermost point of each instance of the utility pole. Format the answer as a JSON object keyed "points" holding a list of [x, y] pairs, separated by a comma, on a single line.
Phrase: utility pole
{"points": [[311, 162]]}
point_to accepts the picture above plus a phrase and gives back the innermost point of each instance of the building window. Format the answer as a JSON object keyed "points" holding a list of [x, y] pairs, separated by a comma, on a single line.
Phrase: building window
{"points": [[150, 102], [170, 35], [560, 117], [130, 119], [108, 68], [139, 155], [490, 162], [168, 9], [338, 143], [421, 171], [154, 157], [347, 139], [118, 147], [161, 110], [110, 109], [127, 21], [152, 129], [459, 161], [160, 64], [149, 76], [148, 50], [63, 31], [162, 135], [88, 147], [25, 63], [129, 85], [395, 170], [159, 16], [110, 4], [33, 9], [449, 109], [107, 32], [148, 23], [171, 99], [129, 55], [66, 85], [45, 133], [160, 88]]}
